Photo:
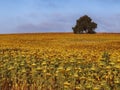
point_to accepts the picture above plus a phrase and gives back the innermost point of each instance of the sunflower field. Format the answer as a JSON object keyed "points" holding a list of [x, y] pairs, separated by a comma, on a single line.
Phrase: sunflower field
{"points": [[60, 61]]}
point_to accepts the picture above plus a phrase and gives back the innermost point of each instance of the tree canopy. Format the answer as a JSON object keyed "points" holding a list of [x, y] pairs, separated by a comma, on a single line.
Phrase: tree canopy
{"points": [[84, 25]]}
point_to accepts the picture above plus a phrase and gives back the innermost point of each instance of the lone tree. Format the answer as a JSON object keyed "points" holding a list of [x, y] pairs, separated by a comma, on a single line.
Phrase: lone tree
{"points": [[84, 25]]}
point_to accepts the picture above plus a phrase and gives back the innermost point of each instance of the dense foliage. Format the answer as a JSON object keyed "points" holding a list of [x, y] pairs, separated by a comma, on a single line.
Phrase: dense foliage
{"points": [[84, 25]]}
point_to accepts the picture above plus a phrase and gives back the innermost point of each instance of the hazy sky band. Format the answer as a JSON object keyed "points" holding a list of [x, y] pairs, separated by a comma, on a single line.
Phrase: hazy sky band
{"points": [[57, 15]]}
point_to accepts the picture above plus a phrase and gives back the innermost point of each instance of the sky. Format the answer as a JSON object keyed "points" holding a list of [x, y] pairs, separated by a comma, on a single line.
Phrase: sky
{"points": [[31, 16]]}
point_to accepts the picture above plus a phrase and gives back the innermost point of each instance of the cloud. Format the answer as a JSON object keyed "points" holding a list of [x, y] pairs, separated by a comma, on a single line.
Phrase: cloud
{"points": [[56, 22], [49, 4], [109, 23], [43, 27]]}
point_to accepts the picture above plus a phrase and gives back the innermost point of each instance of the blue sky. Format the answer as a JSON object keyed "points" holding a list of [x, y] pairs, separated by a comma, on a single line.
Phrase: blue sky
{"points": [[24, 16]]}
